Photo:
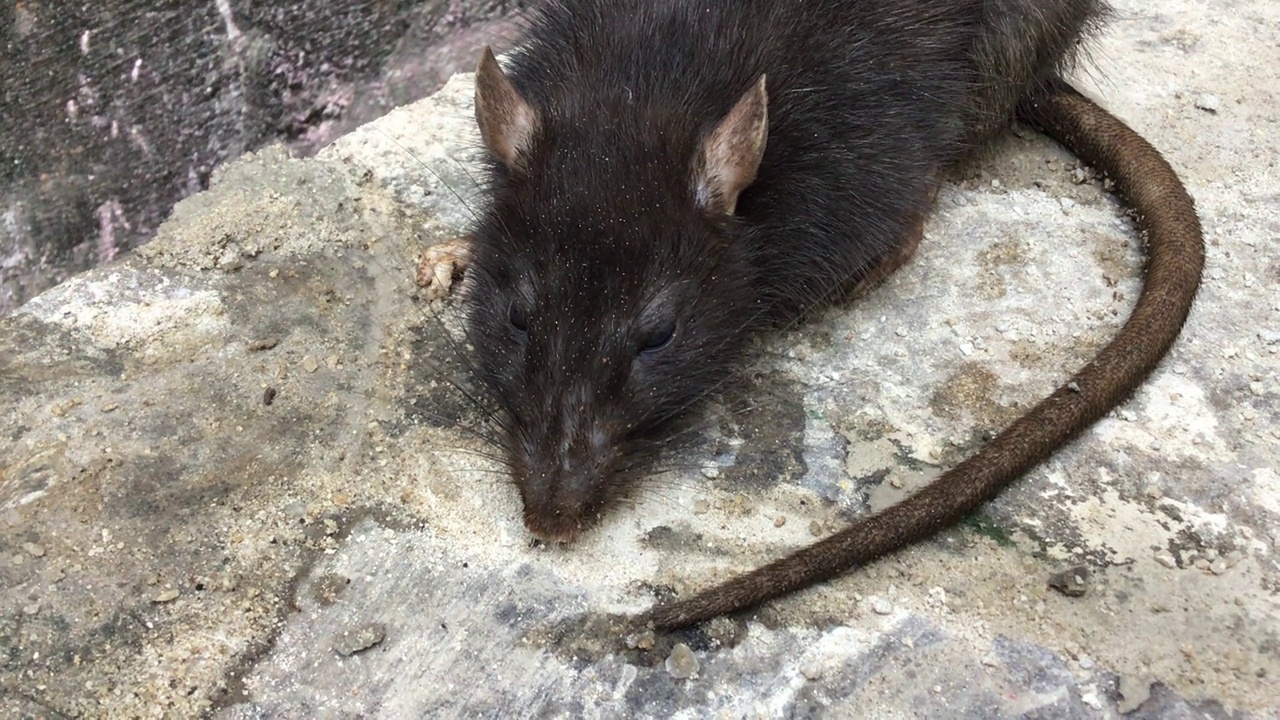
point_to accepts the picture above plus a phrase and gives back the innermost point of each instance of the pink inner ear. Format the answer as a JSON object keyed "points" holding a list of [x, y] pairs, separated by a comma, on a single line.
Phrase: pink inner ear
{"points": [[507, 122], [731, 155]]}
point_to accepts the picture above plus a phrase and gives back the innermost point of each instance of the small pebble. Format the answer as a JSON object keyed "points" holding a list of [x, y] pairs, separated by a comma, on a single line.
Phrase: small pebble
{"points": [[880, 606], [1208, 102], [1166, 560], [701, 507], [641, 641], [362, 639], [1218, 567], [682, 664], [166, 596], [1090, 697], [812, 670], [268, 395], [31, 609], [263, 344], [1085, 662], [34, 549], [1202, 564], [1079, 176], [1073, 582], [711, 473], [780, 521], [815, 528], [309, 364], [1134, 691]]}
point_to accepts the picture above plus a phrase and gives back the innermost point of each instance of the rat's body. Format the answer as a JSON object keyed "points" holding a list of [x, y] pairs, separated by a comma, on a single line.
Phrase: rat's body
{"points": [[670, 176]]}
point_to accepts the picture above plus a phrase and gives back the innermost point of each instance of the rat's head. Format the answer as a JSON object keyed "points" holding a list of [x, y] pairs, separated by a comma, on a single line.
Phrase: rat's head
{"points": [[608, 291]]}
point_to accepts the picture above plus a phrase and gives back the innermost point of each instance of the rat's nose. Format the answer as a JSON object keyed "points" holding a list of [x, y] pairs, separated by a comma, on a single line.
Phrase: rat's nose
{"points": [[555, 510], [555, 527]]}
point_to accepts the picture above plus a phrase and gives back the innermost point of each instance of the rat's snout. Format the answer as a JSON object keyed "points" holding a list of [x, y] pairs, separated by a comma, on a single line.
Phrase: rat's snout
{"points": [[553, 513], [565, 474]]}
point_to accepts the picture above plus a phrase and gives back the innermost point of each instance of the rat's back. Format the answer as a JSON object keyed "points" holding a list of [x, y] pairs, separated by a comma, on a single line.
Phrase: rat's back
{"points": [[868, 101], [865, 100]]}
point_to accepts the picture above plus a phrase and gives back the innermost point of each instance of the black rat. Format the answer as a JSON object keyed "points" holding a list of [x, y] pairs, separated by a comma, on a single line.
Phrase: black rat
{"points": [[666, 178]]}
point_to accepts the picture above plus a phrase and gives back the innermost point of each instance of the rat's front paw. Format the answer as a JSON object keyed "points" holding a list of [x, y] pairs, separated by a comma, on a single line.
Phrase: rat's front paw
{"points": [[442, 264]]}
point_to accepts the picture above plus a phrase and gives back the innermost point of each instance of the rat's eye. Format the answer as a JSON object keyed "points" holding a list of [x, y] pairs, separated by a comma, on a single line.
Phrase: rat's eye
{"points": [[516, 317], [658, 339]]}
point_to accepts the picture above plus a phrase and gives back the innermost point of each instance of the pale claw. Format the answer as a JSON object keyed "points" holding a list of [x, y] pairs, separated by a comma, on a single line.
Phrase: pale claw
{"points": [[441, 264]]}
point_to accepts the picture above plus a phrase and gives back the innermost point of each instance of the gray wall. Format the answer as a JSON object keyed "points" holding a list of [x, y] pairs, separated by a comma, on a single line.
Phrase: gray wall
{"points": [[111, 112]]}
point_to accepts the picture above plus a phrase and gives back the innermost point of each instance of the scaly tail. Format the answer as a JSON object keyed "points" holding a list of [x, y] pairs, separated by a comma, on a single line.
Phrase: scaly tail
{"points": [[1175, 254]]}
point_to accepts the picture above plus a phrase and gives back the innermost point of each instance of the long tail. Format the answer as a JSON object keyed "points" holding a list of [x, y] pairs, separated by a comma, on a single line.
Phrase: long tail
{"points": [[1175, 254]]}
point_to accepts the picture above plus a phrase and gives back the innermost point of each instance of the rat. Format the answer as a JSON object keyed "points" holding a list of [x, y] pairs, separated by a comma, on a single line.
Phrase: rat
{"points": [[664, 179]]}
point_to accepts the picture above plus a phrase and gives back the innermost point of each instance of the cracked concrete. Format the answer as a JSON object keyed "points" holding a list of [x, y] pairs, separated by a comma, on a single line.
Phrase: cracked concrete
{"points": [[241, 478]]}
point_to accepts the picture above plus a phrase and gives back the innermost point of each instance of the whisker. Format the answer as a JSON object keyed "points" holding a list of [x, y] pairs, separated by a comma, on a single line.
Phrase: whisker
{"points": [[452, 191]]}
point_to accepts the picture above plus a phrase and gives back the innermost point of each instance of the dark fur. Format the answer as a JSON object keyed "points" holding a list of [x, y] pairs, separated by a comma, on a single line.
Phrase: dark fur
{"points": [[598, 241], [615, 282]]}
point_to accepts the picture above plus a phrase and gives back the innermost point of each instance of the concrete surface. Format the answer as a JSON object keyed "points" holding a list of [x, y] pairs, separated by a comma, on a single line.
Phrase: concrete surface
{"points": [[171, 543]]}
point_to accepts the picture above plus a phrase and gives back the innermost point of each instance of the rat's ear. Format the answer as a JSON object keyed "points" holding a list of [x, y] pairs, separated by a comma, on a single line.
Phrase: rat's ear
{"points": [[730, 155], [507, 121]]}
